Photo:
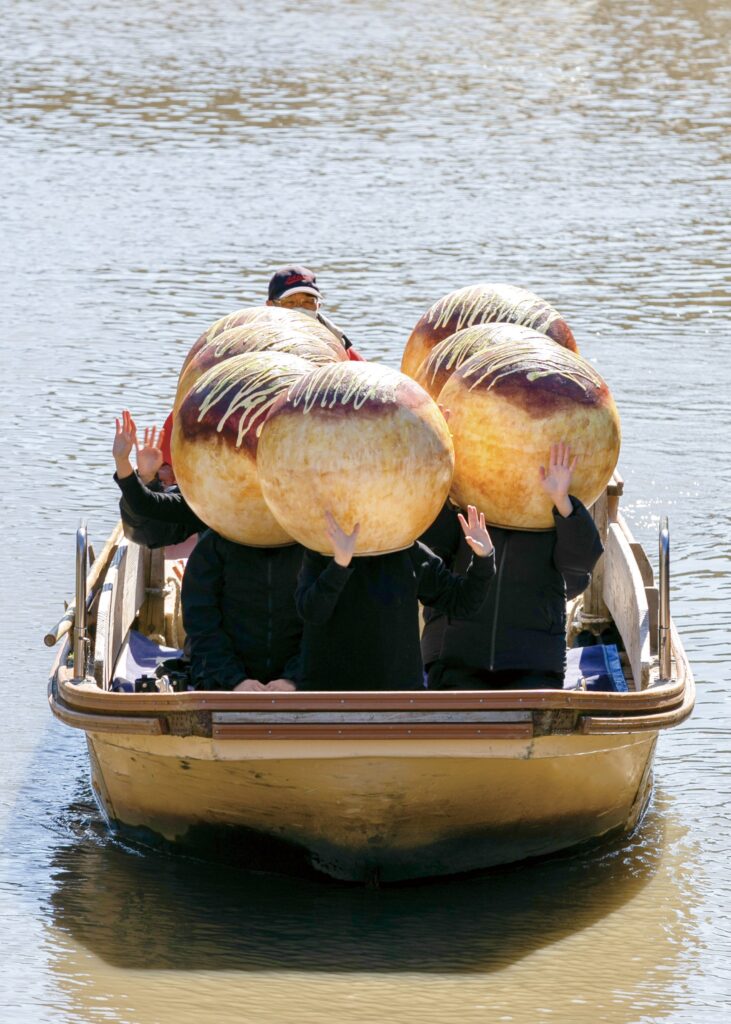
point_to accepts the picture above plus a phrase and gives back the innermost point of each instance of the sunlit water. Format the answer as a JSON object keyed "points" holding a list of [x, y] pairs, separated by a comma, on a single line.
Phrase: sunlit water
{"points": [[156, 161]]}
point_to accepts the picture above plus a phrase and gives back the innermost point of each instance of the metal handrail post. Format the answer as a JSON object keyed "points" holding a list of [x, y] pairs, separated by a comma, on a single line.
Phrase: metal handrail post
{"points": [[663, 618], [80, 629]]}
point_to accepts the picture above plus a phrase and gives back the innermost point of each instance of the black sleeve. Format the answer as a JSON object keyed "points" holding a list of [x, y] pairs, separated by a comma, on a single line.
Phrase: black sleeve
{"points": [[578, 547], [457, 596], [150, 533], [319, 586], [162, 506], [213, 660], [444, 535], [291, 669]]}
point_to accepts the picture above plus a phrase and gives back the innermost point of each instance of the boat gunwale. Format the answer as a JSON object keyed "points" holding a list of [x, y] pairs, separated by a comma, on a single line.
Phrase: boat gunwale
{"points": [[658, 698], [90, 722], [158, 725]]}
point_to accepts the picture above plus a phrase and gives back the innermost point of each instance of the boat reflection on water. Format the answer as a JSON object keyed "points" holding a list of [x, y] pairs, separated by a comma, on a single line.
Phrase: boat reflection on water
{"points": [[147, 911], [622, 910]]}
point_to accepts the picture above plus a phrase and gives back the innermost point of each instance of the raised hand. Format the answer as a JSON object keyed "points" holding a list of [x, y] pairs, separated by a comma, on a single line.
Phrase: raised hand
{"points": [[475, 532], [149, 456], [343, 543], [556, 479], [125, 439]]}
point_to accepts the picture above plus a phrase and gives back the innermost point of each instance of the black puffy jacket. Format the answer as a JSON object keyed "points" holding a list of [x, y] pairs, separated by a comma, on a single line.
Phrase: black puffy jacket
{"points": [[362, 622], [239, 612], [522, 622]]}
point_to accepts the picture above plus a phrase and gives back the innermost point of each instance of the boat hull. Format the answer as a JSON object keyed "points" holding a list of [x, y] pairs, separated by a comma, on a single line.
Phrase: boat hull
{"points": [[360, 810]]}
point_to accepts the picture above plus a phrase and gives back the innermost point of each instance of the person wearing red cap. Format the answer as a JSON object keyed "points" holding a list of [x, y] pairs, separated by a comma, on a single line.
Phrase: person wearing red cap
{"points": [[295, 287], [292, 287]]}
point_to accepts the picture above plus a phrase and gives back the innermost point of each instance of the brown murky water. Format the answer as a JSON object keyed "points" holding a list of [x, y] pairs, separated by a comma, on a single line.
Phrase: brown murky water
{"points": [[156, 161]]}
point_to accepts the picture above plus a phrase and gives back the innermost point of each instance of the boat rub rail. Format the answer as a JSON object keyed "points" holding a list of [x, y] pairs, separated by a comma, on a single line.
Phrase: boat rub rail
{"points": [[663, 696], [283, 718]]}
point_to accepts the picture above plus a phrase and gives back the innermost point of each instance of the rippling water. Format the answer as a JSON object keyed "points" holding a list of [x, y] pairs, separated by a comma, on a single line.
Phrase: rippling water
{"points": [[156, 161]]}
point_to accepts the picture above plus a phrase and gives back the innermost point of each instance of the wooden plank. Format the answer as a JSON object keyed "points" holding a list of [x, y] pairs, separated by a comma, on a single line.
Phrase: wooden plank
{"points": [[152, 619], [648, 578], [643, 563], [624, 595], [514, 730], [604, 511], [594, 606], [615, 487], [122, 596], [174, 567], [369, 717]]}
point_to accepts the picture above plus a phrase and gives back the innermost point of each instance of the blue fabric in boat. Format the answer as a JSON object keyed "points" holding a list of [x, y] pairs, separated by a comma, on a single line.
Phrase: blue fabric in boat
{"points": [[139, 656], [594, 668]]}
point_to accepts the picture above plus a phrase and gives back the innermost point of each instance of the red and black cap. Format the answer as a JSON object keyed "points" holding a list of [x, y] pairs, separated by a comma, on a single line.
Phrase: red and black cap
{"points": [[290, 280]]}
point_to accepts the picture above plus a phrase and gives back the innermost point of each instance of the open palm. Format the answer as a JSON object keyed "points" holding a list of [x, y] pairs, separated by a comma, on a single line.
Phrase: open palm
{"points": [[475, 532], [556, 477]]}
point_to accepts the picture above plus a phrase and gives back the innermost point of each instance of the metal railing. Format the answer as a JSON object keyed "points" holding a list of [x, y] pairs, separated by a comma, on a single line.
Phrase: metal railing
{"points": [[663, 617], [81, 639]]}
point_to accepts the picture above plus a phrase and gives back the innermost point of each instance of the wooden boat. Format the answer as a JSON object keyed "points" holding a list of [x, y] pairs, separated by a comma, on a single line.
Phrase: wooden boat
{"points": [[365, 786]]}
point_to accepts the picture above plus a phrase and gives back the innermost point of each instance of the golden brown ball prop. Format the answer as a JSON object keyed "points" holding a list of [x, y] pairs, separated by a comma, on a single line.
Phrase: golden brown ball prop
{"points": [[507, 406], [214, 445], [258, 337], [447, 357], [364, 442], [480, 304], [261, 315]]}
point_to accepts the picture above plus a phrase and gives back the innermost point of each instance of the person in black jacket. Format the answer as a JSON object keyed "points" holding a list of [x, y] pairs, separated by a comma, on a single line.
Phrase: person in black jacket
{"points": [[517, 639], [151, 516], [361, 627], [238, 601], [240, 617]]}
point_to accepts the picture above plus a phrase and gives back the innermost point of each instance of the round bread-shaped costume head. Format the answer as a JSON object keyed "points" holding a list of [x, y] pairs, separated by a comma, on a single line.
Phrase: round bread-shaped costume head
{"points": [[363, 442], [481, 304], [256, 337], [278, 315], [447, 357], [215, 437], [507, 406]]}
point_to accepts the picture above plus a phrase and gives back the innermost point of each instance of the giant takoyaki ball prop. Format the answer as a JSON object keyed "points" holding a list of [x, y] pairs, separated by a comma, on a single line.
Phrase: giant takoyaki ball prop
{"points": [[507, 406], [278, 315], [447, 357], [480, 304], [214, 444], [258, 337], [364, 442]]}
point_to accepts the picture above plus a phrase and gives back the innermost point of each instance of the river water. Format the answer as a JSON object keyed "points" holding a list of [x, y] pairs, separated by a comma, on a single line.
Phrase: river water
{"points": [[157, 160]]}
